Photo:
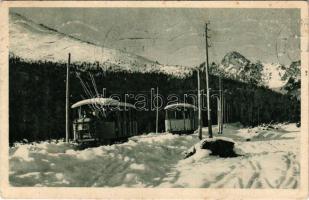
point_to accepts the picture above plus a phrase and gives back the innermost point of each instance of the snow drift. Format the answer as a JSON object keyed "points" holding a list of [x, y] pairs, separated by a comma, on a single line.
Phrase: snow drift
{"points": [[143, 161]]}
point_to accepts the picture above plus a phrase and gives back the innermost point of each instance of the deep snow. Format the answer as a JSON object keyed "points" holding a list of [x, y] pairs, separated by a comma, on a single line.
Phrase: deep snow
{"points": [[269, 159]]}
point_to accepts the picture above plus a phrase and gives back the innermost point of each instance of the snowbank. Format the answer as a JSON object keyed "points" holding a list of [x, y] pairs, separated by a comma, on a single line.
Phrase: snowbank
{"points": [[142, 161], [270, 162]]}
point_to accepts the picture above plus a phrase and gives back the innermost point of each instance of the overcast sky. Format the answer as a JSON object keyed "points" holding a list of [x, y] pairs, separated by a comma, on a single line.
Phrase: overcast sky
{"points": [[176, 36]]}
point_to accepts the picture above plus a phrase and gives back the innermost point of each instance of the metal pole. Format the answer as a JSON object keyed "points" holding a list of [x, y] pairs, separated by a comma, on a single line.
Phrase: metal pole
{"points": [[67, 101], [199, 105], [157, 112], [207, 86]]}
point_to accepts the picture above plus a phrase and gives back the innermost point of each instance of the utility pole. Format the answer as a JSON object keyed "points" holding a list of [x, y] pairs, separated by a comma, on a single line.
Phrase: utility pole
{"points": [[226, 112], [223, 113], [219, 114], [157, 111], [207, 84], [67, 101], [221, 107], [199, 105]]}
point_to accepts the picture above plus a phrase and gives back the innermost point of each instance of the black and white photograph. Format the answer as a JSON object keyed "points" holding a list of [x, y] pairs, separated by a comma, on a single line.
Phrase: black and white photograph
{"points": [[155, 97]]}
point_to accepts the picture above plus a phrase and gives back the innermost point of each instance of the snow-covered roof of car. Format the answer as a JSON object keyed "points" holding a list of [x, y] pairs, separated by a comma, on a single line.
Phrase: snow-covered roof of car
{"points": [[179, 105], [102, 102]]}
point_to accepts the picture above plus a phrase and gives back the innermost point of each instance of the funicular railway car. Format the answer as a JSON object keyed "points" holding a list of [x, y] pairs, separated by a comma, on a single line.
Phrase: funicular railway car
{"points": [[103, 121], [181, 118]]}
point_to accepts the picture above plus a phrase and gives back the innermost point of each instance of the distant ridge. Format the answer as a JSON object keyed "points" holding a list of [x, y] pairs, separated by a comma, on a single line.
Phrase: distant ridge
{"points": [[37, 42]]}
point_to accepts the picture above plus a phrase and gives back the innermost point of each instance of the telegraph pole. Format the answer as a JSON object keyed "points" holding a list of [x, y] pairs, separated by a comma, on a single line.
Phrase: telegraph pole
{"points": [[223, 110], [199, 105], [221, 105], [207, 84], [157, 111], [67, 101], [227, 112]]}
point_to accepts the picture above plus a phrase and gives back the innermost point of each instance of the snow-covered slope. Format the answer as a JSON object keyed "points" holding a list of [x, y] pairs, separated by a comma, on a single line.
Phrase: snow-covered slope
{"points": [[293, 77], [272, 76], [283, 79], [269, 158], [36, 42]]}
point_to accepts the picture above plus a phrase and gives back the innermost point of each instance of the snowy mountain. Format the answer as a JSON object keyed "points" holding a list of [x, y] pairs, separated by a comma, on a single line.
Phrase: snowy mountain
{"points": [[292, 76], [274, 76], [236, 66], [37, 42], [234, 63]]}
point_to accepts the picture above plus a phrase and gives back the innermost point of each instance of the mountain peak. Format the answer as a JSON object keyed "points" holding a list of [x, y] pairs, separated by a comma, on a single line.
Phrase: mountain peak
{"points": [[234, 58], [234, 54]]}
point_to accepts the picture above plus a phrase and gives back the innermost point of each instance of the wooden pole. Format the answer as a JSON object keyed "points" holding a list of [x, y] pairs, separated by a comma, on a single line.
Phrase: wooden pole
{"points": [[67, 101], [227, 112], [223, 114], [221, 106], [207, 85], [157, 112], [224, 110], [218, 114], [199, 105], [222, 99]]}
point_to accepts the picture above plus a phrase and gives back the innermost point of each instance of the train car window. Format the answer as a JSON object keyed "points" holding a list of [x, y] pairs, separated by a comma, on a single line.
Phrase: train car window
{"points": [[186, 114], [127, 115], [134, 115], [178, 114], [118, 118], [84, 114], [79, 112], [171, 114], [130, 114], [111, 117]]}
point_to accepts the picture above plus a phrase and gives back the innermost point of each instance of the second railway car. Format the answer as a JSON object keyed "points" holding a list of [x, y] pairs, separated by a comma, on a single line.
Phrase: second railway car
{"points": [[103, 121], [181, 118]]}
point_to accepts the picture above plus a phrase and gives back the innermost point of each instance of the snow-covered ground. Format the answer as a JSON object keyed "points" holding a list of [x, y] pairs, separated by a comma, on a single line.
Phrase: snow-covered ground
{"points": [[269, 158]]}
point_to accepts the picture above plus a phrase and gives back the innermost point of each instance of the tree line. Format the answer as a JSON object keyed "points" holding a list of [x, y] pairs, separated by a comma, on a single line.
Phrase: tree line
{"points": [[37, 97]]}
